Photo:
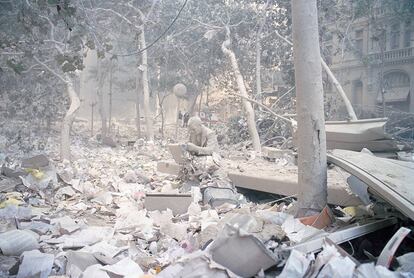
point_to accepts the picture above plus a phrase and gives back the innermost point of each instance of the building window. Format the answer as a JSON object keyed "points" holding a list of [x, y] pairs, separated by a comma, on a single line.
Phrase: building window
{"points": [[395, 36], [357, 92], [397, 91], [359, 40], [407, 34], [396, 80]]}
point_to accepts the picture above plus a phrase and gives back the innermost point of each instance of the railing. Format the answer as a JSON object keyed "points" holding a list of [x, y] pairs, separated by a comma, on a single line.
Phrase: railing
{"points": [[396, 54]]}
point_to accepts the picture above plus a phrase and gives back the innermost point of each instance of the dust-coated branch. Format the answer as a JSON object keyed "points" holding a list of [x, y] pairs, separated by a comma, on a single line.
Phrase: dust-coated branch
{"points": [[282, 96], [251, 123], [120, 16], [338, 86], [291, 122], [52, 34], [50, 70]]}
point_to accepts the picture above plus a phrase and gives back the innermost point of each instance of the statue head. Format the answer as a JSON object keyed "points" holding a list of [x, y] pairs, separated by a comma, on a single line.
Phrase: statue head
{"points": [[195, 125]]}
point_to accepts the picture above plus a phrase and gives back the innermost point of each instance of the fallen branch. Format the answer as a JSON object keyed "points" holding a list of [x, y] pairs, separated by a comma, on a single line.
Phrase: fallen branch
{"points": [[291, 122], [338, 86]]}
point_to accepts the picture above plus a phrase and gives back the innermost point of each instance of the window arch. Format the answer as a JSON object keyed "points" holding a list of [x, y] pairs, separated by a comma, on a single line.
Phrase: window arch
{"points": [[396, 79], [397, 90]]}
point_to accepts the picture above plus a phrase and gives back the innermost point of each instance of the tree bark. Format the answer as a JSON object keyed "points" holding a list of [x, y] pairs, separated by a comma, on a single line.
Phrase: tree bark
{"points": [[137, 108], [145, 83], [110, 96], [310, 110], [251, 123], [258, 53], [161, 106], [70, 114], [68, 120], [199, 103], [101, 105]]}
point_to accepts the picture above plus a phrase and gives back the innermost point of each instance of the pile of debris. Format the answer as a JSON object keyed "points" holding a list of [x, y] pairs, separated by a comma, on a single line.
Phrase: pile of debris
{"points": [[112, 214]]}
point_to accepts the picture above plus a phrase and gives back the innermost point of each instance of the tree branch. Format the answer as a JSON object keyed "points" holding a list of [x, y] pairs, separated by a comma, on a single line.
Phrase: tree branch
{"points": [[120, 16], [50, 70], [291, 122], [348, 105]]}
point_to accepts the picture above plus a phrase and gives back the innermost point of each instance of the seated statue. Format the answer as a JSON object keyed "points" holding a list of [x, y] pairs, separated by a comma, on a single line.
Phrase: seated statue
{"points": [[203, 141]]}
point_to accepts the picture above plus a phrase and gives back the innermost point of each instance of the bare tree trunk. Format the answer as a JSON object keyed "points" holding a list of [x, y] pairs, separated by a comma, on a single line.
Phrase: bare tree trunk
{"points": [[145, 83], [160, 104], [101, 105], [251, 123], [258, 54], [68, 120], [137, 109], [92, 111], [177, 120], [70, 114], [199, 103], [258, 65], [110, 96], [310, 114]]}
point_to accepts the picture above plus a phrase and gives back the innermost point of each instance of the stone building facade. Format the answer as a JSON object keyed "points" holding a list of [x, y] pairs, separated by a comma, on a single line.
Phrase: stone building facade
{"points": [[367, 58]]}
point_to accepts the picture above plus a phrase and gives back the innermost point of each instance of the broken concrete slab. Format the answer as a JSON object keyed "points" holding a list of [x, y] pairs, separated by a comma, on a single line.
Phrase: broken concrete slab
{"points": [[287, 185], [35, 265], [35, 162], [359, 134], [387, 178], [168, 167], [177, 203], [15, 242], [387, 145]]}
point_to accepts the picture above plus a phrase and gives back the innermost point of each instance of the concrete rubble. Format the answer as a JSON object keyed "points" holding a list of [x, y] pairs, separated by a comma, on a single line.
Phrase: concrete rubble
{"points": [[115, 212]]}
